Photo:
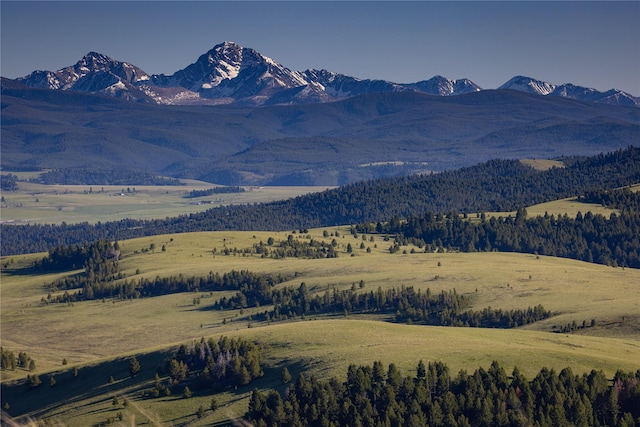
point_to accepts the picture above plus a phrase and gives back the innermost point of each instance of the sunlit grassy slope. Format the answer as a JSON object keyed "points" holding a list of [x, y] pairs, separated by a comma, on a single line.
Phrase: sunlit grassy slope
{"points": [[98, 336], [324, 348], [572, 290]]}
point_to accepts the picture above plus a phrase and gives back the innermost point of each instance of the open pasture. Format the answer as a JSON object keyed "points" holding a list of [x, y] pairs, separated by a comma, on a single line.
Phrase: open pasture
{"points": [[53, 204], [572, 290], [569, 206], [99, 336]]}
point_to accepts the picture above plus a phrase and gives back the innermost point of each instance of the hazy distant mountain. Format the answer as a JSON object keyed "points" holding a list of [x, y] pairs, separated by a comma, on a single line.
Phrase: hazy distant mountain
{"points": [[442, 86], [330, 143], [232, 74]]}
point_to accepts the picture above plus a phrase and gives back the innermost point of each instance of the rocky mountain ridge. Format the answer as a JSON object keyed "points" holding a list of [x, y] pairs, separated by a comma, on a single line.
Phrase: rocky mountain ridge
{"points": [[232, 74]]}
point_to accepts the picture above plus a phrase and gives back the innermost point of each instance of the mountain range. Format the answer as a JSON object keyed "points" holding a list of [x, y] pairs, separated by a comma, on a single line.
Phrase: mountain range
{"points": [[232, 74]]}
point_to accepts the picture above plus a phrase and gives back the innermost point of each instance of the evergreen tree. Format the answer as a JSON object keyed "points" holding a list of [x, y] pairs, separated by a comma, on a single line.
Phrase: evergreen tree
{"points": [[285, 376], [134, 366], [186, 393]]}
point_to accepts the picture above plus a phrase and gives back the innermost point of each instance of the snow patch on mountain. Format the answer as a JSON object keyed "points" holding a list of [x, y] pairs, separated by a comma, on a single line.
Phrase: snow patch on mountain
{"points": [[529, 85], [230, 73]]}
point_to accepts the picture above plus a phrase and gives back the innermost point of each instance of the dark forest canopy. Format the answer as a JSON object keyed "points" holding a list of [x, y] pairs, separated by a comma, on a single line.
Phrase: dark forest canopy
{"points": [[215, 190], [497, 185], [99, 176]]}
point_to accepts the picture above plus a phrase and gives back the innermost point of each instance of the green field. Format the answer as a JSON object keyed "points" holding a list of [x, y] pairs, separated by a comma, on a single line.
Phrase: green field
{"points": [[98, 336], [53, 204]]}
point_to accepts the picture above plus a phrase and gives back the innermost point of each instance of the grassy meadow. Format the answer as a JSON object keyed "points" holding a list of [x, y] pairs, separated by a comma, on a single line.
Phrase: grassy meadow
{"points": [[53, 204], [98, 337]]}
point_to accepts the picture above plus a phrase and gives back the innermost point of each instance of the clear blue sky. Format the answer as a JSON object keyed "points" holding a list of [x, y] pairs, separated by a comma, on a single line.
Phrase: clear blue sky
{"points": [[594, 44]]}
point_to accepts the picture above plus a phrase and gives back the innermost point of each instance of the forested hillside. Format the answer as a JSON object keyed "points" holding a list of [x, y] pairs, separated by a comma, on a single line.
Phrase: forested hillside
{"points": [[379, 396], [588, 237], [498, 185]]}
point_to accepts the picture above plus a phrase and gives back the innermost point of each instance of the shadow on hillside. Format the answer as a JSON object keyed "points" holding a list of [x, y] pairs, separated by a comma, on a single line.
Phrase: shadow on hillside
{"points": [[91, 390], [21, 271], [86, 385]]}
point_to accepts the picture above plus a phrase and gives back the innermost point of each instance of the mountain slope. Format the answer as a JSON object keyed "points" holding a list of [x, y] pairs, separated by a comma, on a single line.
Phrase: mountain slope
{"points": [[379, 134]]}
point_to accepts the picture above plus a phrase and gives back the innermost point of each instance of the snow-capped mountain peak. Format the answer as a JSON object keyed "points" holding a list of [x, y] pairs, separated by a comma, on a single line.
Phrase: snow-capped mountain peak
{"points": [[441, 86], [229, 70], [529, 85], [230, 73], [96, 73], [95, 61]]}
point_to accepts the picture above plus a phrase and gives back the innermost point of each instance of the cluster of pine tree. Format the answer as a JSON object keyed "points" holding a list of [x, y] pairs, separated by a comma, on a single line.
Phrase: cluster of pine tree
{"points": [[290, 248], [623, 199], [217, 363], [9, 361], [295, 248], [215, 190], [375, 396], [93, 257], [100, 263], [499, 185], [448, 308]]}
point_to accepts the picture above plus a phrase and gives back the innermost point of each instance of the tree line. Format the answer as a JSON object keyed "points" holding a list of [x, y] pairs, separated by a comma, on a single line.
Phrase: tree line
{"points": [[98, 176], [404, 304], [91, 287], [379, 396], [101, 279], [498, 185], [215, 190]]}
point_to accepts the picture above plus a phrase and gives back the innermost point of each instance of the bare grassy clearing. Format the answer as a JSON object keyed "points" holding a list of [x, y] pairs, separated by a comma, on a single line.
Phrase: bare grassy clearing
{"points": [[53, 204], [329, 346], [569, 206], [542, 164]]}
